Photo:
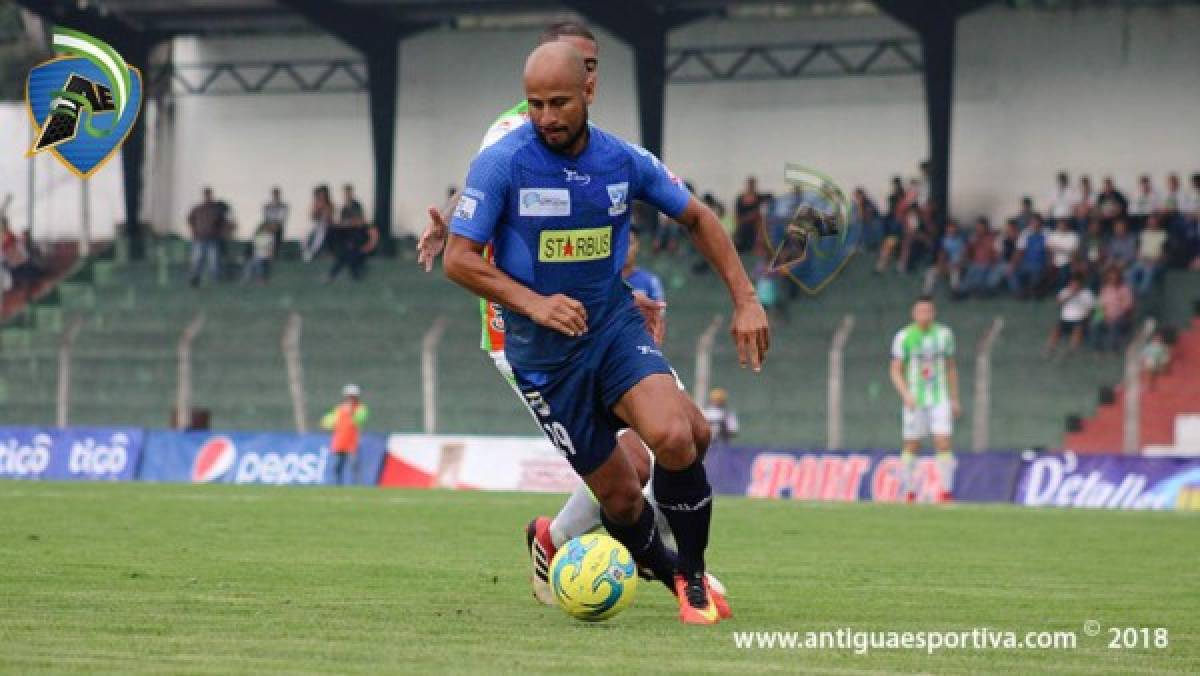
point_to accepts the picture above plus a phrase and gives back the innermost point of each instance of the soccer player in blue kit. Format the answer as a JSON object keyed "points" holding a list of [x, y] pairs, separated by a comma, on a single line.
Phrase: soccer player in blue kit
{"points": [[553, 196]]}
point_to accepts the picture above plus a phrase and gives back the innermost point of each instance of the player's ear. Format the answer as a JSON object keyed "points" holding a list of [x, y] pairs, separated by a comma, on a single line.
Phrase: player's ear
{"points": [[589, 91]]}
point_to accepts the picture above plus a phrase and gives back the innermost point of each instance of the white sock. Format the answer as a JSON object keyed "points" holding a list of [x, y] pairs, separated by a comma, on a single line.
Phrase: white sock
{"points": [[579, 515], [908, 471], [946, 464]]}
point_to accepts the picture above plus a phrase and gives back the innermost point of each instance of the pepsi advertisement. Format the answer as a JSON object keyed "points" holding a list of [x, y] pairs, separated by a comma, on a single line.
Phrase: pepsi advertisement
{"points": [[255, 458], [79, 453]]}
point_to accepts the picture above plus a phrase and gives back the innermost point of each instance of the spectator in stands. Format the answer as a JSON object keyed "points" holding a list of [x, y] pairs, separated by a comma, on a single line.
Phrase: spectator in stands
{"points": [[353, 239], [275, 216], [893, 226], [1156, 358], [1094, 246], [321, 215], [1144, 203], [1063, 244], [982, 255], [1080, 215], [258, 268], [951, 260], [916, 241], [1087, 196], [1151, 246], [346, 421], [1111, 203], [1025, 213], [1006, 254], [1122, 246], [1076, 303], [722, 421], [865, 215], [1027, 270], [208, 222], [18, 258], [1061, 203], [748, 211], [1173, 199], [1115, 318]]}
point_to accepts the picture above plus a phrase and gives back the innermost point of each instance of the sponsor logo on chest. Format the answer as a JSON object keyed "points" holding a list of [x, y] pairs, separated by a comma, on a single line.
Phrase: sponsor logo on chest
{"points": [[545, 202]]}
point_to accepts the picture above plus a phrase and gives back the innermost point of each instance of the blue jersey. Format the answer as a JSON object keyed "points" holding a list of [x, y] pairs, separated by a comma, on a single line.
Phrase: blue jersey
{"points": [[560, 224], [648, 283]]}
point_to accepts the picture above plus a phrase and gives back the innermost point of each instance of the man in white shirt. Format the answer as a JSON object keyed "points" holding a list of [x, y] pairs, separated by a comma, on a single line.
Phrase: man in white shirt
{"points": [[1147, 201], [1150, 256], [1076, 303], [1062, 200], [1063, 243]]}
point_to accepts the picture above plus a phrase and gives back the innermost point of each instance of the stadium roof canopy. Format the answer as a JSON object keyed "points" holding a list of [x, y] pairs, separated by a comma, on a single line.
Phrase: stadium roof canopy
{"points": [[376, 27]]}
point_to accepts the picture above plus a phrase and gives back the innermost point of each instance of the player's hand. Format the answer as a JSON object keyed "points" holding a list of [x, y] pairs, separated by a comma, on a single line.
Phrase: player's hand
{"points": [[432, 240], [751, 335], [652, 312], [561, 313], [956, 408]]}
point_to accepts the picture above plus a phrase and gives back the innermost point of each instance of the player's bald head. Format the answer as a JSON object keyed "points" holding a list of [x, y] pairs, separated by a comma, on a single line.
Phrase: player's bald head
{"points": [[555, 65]]}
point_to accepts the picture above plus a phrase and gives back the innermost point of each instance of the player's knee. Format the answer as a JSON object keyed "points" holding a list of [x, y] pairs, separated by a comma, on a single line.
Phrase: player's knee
{"points": [[673, 443], [701, 436], [621, 502]]}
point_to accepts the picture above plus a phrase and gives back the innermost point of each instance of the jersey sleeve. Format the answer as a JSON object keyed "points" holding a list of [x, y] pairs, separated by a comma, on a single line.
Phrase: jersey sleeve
{"points": [[656, 289], [898, 346], [656, 185], [483, 198]]}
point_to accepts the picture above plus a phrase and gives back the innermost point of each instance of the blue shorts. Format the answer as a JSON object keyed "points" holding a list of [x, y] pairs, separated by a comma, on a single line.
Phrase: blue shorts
{"points": [[573, 403]]}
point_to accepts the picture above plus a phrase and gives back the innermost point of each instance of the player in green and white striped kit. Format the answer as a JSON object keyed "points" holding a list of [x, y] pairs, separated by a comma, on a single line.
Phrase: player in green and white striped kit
{"points": [[926, 377]]}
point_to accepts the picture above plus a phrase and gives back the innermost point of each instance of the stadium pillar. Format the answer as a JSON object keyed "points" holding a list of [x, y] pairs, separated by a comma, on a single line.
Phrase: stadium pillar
{"points": [[650, 58], [376, 34], [133, 152], [644, 28], [382, 85], [935, 22]]}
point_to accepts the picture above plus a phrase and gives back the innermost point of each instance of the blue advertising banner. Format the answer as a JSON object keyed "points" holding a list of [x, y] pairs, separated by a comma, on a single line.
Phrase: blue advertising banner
{"points": [[1109, 481], [871, 475], [79, 453], [255, 458]]}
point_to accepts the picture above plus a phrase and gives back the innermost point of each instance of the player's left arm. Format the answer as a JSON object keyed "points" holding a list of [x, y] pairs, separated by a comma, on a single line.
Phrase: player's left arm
{"points": [[952, 374], [750, 332], [952, 381]]}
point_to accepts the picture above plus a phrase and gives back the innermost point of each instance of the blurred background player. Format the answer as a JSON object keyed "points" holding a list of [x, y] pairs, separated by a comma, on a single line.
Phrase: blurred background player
{"points": [[924, 374], [581, 513], [722, 421], [346, 420]]}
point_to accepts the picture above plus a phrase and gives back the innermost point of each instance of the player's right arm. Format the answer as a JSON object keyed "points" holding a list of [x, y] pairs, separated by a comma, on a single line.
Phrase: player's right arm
{"points": [[475, 219], [465, 266], [897, 372]]}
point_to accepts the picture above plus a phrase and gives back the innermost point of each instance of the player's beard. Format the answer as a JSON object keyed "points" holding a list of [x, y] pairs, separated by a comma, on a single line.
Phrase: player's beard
{"points": [[570, 141]]}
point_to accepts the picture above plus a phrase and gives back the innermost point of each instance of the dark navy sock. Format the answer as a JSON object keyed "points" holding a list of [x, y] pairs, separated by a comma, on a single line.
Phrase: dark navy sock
{"points": [[685, 498], [644, 542]]}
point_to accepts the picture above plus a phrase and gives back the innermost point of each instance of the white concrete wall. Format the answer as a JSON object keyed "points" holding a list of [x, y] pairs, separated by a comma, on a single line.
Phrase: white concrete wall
{"points": [[1098, 91]]}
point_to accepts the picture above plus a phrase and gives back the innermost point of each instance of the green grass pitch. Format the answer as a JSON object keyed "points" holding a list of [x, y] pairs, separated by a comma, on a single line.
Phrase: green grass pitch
{"points": [[140, 578]]}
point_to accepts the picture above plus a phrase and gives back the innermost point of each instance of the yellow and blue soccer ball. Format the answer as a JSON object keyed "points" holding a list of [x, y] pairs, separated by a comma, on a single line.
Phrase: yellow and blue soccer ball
{"points": [[593, 577]]}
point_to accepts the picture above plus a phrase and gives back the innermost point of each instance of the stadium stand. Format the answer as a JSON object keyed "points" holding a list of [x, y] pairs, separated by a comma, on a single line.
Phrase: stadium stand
{"points": [[125, 365]]}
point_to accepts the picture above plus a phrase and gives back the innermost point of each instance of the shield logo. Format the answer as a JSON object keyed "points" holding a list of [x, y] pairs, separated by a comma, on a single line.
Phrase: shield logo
{"points": [[83, 102], [810, 237]]}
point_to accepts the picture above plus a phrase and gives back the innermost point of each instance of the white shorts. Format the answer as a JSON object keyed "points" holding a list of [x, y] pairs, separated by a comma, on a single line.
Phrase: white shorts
{"points": [[923, 421]]}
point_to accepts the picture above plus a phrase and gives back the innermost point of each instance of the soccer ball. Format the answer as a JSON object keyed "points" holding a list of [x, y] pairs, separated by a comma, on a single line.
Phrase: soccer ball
{"points": [[593, 577]]}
